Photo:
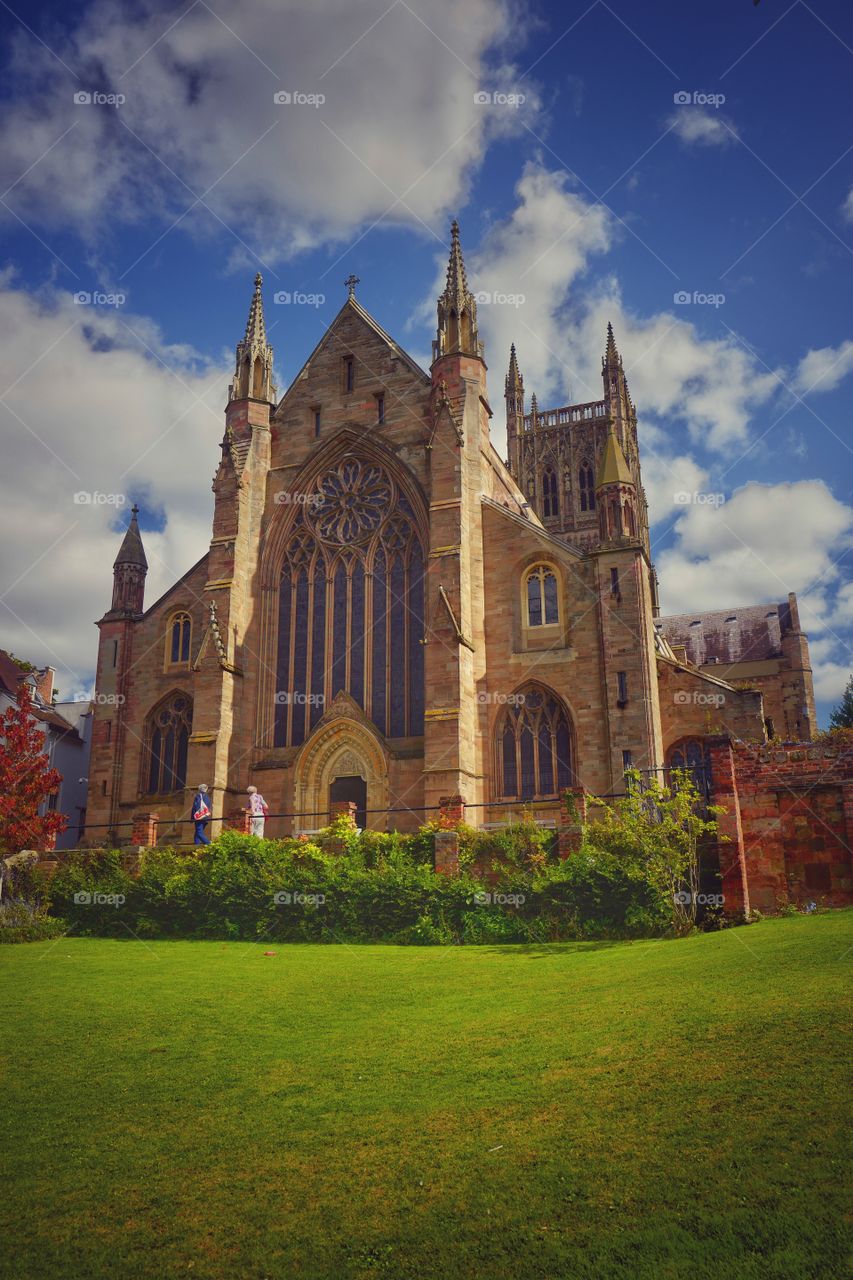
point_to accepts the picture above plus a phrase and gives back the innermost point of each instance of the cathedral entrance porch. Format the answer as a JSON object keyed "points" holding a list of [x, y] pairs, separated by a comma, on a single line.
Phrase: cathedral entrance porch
{"points": [[353, 788], [343, 759]]}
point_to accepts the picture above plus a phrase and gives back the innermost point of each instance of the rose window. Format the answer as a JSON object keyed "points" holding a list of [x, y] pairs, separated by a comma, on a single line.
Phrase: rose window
{"points": [[350, 503]]}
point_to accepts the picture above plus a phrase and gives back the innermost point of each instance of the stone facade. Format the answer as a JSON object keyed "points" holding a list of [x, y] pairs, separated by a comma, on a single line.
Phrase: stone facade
{"points": [[516, 653]]}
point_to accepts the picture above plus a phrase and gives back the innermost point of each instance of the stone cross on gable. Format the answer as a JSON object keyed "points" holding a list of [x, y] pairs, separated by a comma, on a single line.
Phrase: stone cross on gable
{"points": [[350, 282]]}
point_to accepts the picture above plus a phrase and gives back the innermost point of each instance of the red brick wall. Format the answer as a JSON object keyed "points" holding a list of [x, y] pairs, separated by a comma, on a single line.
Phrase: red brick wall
{"points": [[791, 825]]}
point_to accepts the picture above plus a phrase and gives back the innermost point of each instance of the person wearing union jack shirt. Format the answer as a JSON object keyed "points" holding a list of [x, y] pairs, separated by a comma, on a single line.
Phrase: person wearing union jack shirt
{"points": [[200, 814]]}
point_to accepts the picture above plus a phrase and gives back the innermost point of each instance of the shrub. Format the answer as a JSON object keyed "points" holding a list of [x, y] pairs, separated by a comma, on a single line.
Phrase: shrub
{"points": [[349, 886], [23, 922]]}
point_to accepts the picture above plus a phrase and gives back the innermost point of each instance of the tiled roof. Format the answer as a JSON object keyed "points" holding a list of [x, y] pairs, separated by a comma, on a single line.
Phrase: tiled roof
{"points": [[11, 674], [746, 633]]}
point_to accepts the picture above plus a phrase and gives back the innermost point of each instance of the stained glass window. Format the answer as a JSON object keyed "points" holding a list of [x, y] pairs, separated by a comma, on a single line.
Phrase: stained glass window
{"points": [[178, 641], [355, 544], [533, 743], [168, 731], [542, 597]]}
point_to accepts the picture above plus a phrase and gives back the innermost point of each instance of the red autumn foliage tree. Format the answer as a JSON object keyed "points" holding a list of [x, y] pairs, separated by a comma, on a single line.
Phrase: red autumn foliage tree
{"points": [[26, 780]]}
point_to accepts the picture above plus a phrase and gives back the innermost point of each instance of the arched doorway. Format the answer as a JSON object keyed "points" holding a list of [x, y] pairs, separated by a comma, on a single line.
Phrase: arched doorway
{"points": [[343, 759], [354, 788]]}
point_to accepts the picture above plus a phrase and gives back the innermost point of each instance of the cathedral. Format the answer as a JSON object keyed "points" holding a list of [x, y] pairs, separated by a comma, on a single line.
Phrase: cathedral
{"points": [[391, 614]]}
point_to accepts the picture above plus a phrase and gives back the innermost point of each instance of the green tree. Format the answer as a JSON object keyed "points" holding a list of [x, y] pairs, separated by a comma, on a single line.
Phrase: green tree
{"points": [[842, 716], [658, 829]]}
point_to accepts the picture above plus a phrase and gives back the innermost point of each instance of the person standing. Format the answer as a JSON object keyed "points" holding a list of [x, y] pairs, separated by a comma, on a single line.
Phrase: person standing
{"points": [[200, 813], [259, 809]]}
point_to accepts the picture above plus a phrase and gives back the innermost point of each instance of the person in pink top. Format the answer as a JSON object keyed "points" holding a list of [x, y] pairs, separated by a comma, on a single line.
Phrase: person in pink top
{"points": [[259, 809]]}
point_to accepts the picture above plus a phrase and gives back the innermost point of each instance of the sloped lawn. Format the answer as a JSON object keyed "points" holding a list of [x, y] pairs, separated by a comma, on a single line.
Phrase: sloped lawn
{"points": [[581, 1110]]}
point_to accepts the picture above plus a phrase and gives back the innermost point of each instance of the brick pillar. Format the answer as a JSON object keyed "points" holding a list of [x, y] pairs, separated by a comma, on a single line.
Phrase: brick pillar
{"points": [[144, 830], [571, 820], [238, 820], [447, 853], [341, 810], [451, 812], [847, 801], [344, 809], [735, 885]]}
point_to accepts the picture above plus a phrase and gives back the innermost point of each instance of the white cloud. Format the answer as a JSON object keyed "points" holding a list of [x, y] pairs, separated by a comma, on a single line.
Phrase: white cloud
{"points": [[199, 119], [824, 368], [699, 126], [765, 541], [830, 680], [90, 410], [536, 257], [712, 385]]}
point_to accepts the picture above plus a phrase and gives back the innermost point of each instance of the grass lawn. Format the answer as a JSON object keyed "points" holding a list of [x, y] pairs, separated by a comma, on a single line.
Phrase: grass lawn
{"points": [[582, 1110]]}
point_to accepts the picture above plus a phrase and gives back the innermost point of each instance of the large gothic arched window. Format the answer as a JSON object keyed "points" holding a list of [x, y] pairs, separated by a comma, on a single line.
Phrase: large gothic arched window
{"points": [[167, 740], [534, 746], [351, 605]]}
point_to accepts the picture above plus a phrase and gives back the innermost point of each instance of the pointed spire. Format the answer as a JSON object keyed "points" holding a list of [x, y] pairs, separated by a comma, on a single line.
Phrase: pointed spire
{"points": [[457, 281], [256, 329], [131, 550], [611, 355], [457, 309], [253, 370], [513, 378], [614, 467]]}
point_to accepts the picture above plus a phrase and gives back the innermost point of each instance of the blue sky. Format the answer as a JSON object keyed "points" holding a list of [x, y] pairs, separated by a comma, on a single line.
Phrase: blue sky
{"points": [[598, 196]]}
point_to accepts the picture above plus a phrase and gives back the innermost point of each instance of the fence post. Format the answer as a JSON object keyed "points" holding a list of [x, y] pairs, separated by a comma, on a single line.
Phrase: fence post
{"points": [[451, 812], [343, 809], [143, 833], [447, 853], [571, 819], [238, 820]]}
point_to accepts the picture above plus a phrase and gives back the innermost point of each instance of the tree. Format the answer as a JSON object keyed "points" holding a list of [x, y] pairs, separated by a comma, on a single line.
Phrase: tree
{"points": [[658, 829], [842, 716], [26, 780]]}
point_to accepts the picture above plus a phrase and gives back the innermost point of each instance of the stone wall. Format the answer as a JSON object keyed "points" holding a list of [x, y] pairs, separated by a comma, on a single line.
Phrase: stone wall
{"points": [[693, 704]]}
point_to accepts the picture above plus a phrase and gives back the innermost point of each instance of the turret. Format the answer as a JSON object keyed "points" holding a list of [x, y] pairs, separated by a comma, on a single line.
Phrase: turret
{"points": [[615, 493], [457, 310], [514, 395], [129, 572]]}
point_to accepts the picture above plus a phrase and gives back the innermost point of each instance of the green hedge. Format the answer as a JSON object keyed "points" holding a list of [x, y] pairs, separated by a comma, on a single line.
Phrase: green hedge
{"points": [[379, 888]]}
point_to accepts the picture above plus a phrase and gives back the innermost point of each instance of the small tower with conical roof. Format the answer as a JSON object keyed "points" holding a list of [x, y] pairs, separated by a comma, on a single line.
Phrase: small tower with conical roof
{"points": [[615, 493], [114, 678], [514, 396], [253, 372], [130, 568]]}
